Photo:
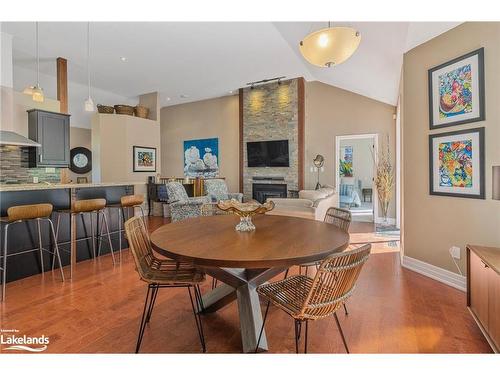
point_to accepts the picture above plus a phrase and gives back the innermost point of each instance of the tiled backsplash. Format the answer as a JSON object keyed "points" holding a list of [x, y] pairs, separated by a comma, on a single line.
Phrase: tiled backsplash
{"points": [[14, 167]]}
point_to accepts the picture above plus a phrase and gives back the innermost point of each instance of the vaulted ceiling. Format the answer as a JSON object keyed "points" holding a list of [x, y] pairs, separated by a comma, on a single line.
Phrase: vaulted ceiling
{"points": [[210, 59]]}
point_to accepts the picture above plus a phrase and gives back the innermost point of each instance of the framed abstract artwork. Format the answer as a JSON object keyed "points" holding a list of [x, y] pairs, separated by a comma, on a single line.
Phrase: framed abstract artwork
{"points": [[201, 157], [456, 163], [144, 159], [346, 162], [456, 91]]}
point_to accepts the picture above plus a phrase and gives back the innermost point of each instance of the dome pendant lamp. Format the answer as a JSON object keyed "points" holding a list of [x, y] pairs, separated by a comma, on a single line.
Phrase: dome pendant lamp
{"points": [[330, 46]]}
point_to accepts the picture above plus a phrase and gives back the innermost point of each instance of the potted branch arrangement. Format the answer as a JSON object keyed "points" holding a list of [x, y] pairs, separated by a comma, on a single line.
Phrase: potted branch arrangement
{"points": [[384, 183]]}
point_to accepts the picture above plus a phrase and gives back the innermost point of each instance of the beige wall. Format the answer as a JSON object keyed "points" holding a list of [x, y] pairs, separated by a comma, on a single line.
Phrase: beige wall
{"points": [[432, 224], [330, 112], [214, 118], [113, 138], [80, 137]]}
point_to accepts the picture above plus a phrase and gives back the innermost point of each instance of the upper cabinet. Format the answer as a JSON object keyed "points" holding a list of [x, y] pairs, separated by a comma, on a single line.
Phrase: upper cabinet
{"points": [[51, 130]]}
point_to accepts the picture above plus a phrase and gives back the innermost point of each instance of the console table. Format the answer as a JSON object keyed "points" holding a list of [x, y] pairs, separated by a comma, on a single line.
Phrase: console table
{"points": [[483, 291]]}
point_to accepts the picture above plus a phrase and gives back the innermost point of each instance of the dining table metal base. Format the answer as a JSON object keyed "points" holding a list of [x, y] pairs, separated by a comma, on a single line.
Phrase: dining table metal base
{"points": [[240, 284]]}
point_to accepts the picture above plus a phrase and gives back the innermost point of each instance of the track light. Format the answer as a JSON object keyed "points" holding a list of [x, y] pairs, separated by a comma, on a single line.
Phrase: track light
{"points": [[252, 84]]}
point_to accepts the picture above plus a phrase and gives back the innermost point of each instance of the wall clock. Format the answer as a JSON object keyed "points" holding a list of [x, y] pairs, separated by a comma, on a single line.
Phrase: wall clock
{"points": [[81, 160]]}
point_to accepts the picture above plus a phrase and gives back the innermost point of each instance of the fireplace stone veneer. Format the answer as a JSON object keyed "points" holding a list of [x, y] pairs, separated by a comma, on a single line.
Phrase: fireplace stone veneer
{"points": [[260, 192]]}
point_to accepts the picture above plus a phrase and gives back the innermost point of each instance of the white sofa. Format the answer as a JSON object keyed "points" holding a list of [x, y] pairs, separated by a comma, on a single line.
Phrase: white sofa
{"points": [[311, 204]]}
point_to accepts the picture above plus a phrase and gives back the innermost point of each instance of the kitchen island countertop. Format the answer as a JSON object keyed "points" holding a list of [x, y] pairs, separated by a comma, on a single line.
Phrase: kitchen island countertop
{"points": [[45, 186]]}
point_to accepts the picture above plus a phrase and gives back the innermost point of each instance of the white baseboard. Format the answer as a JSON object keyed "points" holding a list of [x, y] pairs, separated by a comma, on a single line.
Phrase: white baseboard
{"points": [[440, 274]]}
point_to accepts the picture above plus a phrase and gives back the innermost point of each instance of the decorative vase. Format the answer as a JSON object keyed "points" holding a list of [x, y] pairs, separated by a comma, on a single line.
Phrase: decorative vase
{"points": [[245, 211]]}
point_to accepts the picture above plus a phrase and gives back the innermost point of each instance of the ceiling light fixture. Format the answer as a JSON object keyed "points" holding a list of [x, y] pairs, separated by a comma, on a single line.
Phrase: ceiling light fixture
{"points": [[184, 96], [37, 92], [168, 99], [330, 46], [123, 59], [89, 103], [29, 89]]}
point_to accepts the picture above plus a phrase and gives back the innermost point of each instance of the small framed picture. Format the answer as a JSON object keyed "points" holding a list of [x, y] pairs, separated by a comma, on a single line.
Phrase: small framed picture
{"points": [[82, 180], [456, 163], [456, 91], [144, 159]]}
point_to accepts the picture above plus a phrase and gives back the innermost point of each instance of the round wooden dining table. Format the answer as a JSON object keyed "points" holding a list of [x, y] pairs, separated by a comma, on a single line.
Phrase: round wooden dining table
{"points": [[244, 260]]}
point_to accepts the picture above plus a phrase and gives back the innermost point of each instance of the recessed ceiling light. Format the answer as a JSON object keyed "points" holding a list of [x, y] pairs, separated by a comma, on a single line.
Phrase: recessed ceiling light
{"points": [[123, 58], [184, 96], [168, 99], [230, 91]]}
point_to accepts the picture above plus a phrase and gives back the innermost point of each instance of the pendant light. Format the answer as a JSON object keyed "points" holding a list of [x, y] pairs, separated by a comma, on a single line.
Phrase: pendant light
{"points": [[29, 90], [330, 46], [37, 90], [89, 103]]}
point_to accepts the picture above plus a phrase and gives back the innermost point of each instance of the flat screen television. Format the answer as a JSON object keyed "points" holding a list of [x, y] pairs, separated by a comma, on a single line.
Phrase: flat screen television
{"points": [[268, 154]]}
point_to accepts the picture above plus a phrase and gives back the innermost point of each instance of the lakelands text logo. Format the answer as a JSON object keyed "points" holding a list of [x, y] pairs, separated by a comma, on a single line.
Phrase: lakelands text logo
{"points": [[11, 339]]}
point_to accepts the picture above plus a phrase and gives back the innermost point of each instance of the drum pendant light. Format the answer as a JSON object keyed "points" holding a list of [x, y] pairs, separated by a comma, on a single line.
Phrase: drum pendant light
{"points": [[330, 46]]}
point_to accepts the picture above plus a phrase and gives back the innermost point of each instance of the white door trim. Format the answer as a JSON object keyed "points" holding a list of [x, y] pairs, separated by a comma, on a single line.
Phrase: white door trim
{"points": [[339, 138]]}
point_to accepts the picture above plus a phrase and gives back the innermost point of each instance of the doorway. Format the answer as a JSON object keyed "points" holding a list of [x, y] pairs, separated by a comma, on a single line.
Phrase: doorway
{"points": [[354, 172]]}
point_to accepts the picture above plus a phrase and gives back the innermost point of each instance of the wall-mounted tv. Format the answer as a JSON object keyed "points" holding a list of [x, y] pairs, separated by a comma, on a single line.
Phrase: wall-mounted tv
{"points": [[268, 154]]}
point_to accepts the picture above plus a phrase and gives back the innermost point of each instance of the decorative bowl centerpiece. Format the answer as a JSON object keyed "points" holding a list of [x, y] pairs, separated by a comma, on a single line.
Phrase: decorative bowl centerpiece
{"points": [[245, 211]]}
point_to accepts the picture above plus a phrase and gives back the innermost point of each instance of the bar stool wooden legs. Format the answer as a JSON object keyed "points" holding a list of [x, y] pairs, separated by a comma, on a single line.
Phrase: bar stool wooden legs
{"points": [[19, 214], [89, 206]]}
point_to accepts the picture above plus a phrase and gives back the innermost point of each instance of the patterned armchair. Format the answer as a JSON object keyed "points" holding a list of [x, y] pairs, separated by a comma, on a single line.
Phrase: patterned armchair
{"points": [[216, 189], [182, 206]]}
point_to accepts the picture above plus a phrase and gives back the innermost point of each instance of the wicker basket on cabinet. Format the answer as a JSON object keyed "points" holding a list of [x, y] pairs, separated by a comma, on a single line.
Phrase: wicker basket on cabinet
{"points": [[122, 109], [141, 111], [105, 109]]}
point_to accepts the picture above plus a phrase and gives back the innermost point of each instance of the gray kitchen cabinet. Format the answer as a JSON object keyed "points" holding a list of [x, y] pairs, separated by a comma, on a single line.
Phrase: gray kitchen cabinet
{"points": [[51, 130]]}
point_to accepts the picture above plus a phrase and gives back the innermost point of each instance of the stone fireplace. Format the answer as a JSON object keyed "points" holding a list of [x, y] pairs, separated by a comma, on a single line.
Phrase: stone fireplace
{"points": [[260, 192], [272, 112]]}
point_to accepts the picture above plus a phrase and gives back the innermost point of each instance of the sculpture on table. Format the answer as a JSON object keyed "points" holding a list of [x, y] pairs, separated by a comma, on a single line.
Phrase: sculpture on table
{"points": [[245, 211]]}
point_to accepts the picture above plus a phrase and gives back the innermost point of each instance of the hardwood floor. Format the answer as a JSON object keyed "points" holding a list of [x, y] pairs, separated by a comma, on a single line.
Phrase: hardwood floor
{"points": [[393, 310]]}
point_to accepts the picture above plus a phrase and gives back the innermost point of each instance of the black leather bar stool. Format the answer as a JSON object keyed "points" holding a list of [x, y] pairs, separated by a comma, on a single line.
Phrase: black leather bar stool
{"points": [[20, 214], [89, 206], [126, 202]]}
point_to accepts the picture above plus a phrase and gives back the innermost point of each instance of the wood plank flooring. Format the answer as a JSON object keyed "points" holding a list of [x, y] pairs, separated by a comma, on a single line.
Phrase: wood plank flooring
{"points": [[393, 310]]}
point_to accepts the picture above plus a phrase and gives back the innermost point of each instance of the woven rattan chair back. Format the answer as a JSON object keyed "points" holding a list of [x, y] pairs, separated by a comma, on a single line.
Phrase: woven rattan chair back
{"points": [[140, 245], [333, 283], [338, 217]]}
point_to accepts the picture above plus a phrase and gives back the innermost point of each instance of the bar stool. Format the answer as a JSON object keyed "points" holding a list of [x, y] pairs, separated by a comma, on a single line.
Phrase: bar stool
{"points": [[126, 202], [19, 214], [88, 206]]}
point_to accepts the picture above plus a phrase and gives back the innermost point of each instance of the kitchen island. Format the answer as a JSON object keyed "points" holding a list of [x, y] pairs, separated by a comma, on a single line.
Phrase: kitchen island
{"points": [[23, 257]]}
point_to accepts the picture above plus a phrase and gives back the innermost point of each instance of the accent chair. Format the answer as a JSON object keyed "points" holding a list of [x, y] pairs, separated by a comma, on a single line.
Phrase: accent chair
{"points": [[182, 206], [216, 189]]}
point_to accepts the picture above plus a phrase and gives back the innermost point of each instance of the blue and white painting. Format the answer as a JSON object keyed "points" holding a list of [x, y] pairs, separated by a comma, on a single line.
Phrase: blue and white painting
{"points": [[201, 158]]}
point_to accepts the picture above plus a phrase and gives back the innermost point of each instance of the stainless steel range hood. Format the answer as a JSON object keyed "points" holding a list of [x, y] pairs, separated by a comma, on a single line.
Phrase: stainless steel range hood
{"points": [[9, 133], [13, 139]]}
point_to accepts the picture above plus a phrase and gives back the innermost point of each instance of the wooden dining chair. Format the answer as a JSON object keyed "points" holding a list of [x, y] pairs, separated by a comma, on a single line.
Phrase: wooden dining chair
{"points": [[162, 273], [305, 298]]}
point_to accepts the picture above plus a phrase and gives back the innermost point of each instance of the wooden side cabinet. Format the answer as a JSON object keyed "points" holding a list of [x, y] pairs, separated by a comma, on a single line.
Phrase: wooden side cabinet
{"points": [[51, 130], [483, 291]]}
